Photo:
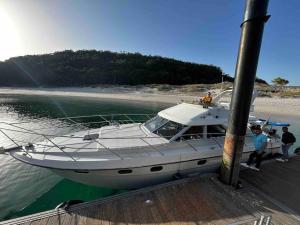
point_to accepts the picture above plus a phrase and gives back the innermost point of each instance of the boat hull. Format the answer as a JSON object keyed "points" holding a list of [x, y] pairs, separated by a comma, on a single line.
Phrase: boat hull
{"points": [[132, 178]]}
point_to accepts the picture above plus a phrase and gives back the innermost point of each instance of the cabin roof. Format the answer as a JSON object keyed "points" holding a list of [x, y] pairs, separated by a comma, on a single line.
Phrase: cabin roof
{"points": [[192, 114]]}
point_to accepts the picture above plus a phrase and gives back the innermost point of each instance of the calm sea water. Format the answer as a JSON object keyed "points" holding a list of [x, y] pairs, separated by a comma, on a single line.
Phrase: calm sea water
{"points": [[25, 189]]}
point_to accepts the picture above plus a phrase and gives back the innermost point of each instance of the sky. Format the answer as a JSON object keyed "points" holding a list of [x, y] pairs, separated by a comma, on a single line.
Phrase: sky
{"points": [[200, 31]]}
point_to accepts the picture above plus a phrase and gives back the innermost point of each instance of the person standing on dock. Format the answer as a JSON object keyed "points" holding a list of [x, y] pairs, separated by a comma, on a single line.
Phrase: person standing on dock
{"points": [[287, 139], [260, 144]]}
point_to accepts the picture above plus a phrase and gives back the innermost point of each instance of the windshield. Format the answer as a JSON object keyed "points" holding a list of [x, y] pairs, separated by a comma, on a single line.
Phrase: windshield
{"points": [[216, 131], [155, 123], [169, 130], [163, 127]]}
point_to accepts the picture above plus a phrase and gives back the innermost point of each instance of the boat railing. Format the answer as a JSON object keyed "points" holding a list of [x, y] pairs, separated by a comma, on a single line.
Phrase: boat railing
{"points": [[96, 119], [43, 133], [26, 145], [37, 130]]}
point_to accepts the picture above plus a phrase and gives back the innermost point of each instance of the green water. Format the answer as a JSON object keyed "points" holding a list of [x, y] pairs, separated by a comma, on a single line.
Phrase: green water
{"points": [[64, 190], [25, 189]]}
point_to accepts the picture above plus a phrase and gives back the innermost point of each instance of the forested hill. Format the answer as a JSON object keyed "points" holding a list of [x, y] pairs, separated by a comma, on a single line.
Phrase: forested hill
{"points": [[91, 67]]}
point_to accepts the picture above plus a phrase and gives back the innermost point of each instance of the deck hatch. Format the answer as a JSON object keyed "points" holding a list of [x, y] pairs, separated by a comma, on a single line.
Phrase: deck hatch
{"points": [[89, 137]]}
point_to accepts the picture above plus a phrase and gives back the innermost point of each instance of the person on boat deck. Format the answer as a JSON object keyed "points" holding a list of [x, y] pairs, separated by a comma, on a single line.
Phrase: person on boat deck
{"points": [[287, 139], [206, 100], [260, 144]]}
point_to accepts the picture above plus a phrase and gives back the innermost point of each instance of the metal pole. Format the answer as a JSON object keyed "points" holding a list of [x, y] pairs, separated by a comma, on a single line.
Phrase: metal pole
{"points": [[222, 82], [245, 72]]}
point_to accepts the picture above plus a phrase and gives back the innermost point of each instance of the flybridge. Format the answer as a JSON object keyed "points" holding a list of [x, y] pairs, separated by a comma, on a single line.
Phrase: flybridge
{"points": [[192, 114]]}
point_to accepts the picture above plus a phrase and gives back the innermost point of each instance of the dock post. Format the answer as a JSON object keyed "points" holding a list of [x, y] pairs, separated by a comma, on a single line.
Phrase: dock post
{"points": [[245, 72]]}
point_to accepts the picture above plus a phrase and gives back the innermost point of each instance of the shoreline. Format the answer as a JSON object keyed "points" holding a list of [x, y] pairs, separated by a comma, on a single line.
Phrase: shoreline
{"points": [[114, 94], [278, 107]]}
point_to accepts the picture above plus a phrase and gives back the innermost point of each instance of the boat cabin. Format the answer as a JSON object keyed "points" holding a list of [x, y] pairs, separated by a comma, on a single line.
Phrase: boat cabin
{"points": [[189, 121], [193, 121]]}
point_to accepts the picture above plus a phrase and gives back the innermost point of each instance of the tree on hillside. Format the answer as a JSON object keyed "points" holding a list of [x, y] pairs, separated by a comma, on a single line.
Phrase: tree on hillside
{"points": [[92, 68], [279, 81]]}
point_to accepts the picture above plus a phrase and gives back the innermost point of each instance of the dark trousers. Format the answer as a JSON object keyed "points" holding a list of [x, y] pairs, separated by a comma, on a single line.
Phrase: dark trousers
{"points": [[258, 157]]}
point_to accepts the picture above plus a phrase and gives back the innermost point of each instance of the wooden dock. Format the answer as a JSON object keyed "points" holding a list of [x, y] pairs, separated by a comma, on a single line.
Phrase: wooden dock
{"points": [[274, 191]]}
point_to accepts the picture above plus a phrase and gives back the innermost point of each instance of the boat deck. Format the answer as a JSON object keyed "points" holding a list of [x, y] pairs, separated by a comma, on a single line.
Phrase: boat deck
{"points": [[274, 191]]}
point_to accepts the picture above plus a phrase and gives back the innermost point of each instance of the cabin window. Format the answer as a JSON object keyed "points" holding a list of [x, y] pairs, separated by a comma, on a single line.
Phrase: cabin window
{"points": [[155, 123], [169, 129], [201, 162], [124, 171], [156, 168], [81, 171], [194, 132], [215, 131]]}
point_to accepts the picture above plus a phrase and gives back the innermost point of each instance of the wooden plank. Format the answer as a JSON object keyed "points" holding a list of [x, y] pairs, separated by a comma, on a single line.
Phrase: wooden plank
{"points": [[280, 181], [146, 206], [83, 216], [40, 222], [67, 219], [56, 220], [279, 184], [26, 223]]}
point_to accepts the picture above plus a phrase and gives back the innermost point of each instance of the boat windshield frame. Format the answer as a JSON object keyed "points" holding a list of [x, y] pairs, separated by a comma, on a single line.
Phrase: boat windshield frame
{"points": [[177, 127], [157, 121]]}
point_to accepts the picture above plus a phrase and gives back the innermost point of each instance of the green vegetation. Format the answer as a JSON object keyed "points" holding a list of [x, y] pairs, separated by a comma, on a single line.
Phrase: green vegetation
{"points": [[278, 89], [279, 81], [290, 92], [91, 68]]}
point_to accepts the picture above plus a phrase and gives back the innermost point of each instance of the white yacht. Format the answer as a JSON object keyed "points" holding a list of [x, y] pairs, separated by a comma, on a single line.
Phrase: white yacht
{"points": [[184, 139]]}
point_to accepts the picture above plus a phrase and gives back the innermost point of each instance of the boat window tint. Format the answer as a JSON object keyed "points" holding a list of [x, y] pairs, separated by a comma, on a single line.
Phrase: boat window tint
{"points": [[155, 123], [156, 168], [201, 162], [124, 171], [194, 132], [81, 171], [215, 131], [169, 129]]}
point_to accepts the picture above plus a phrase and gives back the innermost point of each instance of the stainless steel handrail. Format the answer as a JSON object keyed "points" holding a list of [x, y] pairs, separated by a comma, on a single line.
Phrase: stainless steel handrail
{"points": [[108, 138], [148, 115], [45, 136], [105, 120]]}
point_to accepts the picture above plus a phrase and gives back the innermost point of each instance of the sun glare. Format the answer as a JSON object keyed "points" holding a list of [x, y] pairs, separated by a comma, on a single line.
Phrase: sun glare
{"points": [[9, 38]]}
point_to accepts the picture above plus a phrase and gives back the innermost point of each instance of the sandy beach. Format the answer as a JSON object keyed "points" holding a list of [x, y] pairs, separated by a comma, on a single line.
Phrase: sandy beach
{"points": [[265, 106]]}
